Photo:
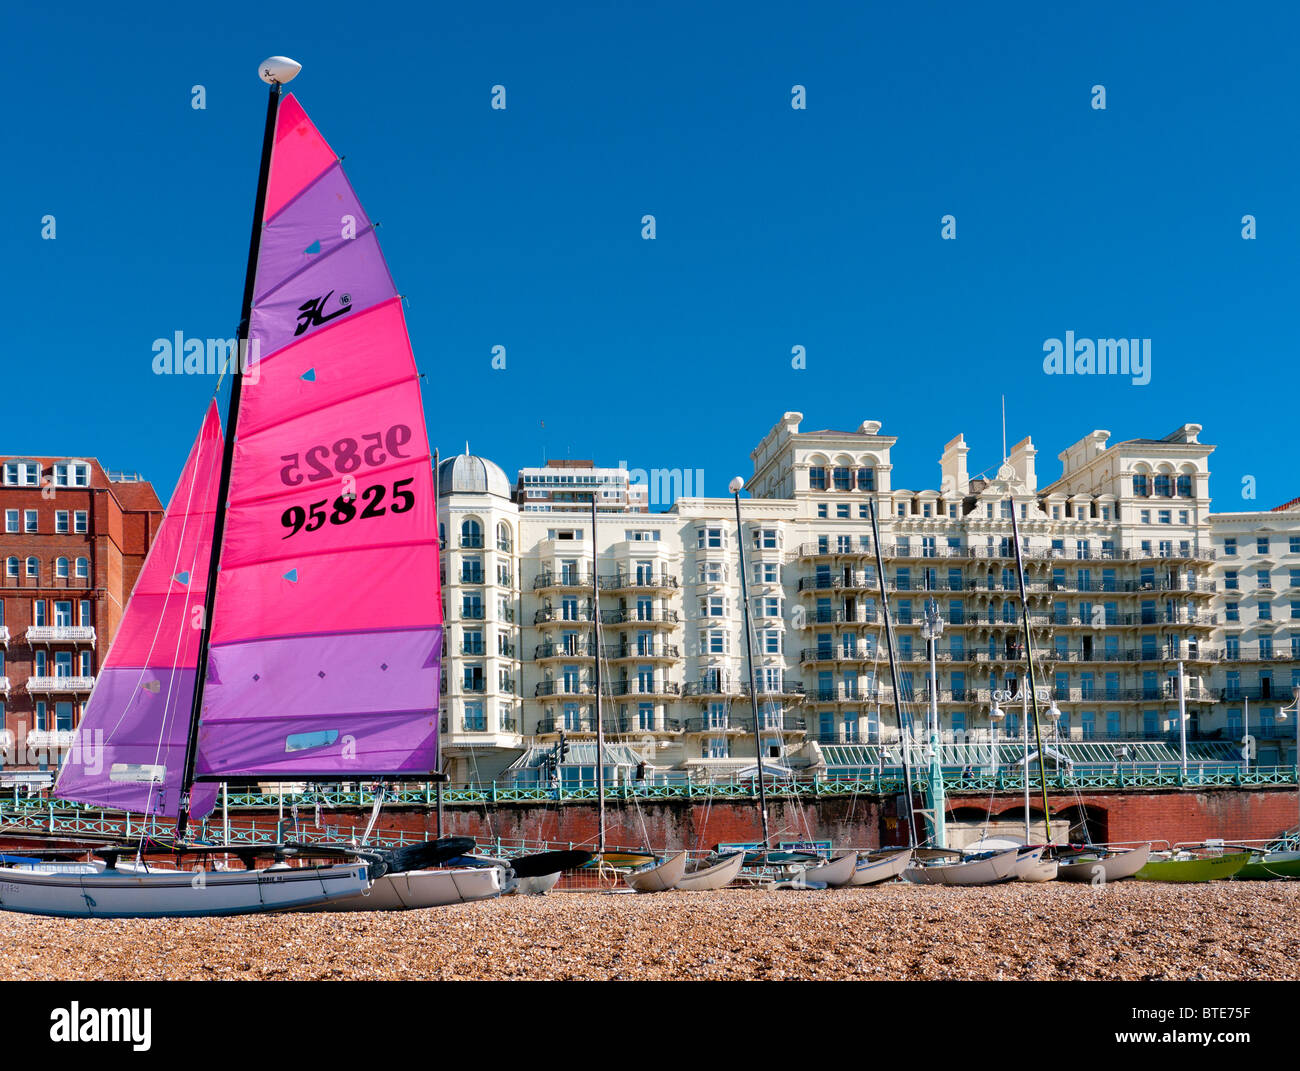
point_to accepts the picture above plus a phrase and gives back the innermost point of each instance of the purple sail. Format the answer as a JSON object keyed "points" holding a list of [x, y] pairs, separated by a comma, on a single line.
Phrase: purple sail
{"points": [[130, 745]]}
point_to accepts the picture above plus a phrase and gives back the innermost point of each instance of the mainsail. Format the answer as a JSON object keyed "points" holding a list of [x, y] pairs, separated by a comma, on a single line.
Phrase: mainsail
{"points": [[327, 630], [130, 745]]}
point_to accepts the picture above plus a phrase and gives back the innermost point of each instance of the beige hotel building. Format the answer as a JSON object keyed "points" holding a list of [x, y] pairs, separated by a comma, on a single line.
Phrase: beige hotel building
{"points": [[1129, 573]]}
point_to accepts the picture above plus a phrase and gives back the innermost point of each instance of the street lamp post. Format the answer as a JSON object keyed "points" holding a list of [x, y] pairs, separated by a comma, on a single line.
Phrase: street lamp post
{"points": [[1294, 708]]}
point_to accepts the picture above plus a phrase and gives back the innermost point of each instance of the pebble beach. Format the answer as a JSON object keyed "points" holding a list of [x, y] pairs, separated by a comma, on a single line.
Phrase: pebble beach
{"points": [[1129, 930]]}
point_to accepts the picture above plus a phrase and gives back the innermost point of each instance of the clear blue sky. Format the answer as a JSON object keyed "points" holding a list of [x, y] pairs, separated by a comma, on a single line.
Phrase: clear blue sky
{"points": [[776, 227]]}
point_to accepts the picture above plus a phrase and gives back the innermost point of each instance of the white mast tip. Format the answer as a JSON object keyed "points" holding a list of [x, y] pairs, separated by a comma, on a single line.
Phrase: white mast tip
{"points": [[278, 70]]}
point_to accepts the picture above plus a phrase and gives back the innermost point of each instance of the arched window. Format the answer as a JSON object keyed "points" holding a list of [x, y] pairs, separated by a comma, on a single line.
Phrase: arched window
{"points": [[817, 478], [843, 477], [1141, 484], [471, 533], [866, 478], [503, 537], [33, 567], [1164, 485], [83, 568], [1184, 486], [11, 567], [61, 568]]}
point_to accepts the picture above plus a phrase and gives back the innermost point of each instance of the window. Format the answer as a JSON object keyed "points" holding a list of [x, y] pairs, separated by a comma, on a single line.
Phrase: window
{"points": [[471, 533], [713, 606], [866, 479], [503, 537], [1184, 486], [23, 473], [33, 567], [1230, 546], [61, 521], [1230, 579], [1164, 516], [11, 567], [708, 538], [1265, 612], [843, 511], [80, 521], [11, 520], [61, 568], [1141, 487], [1261, 545], [765, 539], [30, 520], [817, 478], [843, 477], [1295, 544], [771, 641], [83, 568]]}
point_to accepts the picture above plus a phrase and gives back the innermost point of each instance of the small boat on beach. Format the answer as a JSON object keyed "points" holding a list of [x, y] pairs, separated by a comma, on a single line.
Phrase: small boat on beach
{"points": [[831, 873], [1031, 866], [706, 875], [875, 868], [929, 868], [1101, 865], [659, 876], [1185, 865], [1264, 865]]}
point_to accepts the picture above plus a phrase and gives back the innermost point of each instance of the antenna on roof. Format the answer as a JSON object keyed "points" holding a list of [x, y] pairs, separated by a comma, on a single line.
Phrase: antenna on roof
{"points": [[1004, 428]]}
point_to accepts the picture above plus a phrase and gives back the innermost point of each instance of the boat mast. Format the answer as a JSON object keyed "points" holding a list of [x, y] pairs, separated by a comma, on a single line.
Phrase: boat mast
{"points": [[736, 485], [600, 729], [893, 674], [437, 699], [272, 73], [932, 630], [1029, 661]]}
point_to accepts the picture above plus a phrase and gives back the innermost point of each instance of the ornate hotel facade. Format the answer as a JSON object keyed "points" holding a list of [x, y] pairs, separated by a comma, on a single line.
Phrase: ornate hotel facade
{"points": [[1129, 574]]}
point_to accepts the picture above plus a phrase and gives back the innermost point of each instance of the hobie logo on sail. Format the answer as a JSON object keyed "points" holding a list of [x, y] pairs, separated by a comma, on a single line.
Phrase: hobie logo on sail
{"points": [[313, 314]]}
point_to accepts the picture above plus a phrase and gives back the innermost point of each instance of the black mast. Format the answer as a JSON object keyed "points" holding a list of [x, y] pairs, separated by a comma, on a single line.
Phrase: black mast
{"points": [[903, 740], [1029, 660], [736, 485], [227, 457]]}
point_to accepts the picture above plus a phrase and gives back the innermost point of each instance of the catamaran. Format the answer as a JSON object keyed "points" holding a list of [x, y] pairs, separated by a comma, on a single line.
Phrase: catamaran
{"points": [[287, 625]]}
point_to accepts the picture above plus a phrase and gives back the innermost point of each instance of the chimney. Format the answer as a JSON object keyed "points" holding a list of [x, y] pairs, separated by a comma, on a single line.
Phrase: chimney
{"points": [[1022, 460], [952, 467]]}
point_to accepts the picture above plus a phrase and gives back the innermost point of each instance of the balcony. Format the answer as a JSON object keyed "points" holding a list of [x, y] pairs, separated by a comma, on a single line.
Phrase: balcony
{"points": [[472, 576], [60, 684], [633, 651], [639, 580], [565, 579], [567, 687], [636, 686], [719, 685], [76, 634], [50, 738], [630, 615], [472, 613], [557, 615], [576, 649], [472, 542]]}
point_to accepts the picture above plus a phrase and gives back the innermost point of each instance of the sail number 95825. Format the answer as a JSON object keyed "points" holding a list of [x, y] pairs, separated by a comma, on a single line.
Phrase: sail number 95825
{"points": [[345, 507], [328, 461]]}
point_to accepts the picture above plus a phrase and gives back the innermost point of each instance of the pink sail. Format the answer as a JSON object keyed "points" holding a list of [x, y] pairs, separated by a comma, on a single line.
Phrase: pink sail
{"points": [[327, 631], [130, 745]]}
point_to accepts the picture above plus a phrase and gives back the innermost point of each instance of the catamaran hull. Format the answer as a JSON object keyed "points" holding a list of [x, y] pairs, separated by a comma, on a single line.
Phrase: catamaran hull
{"points": [[832, 874], [1031, 866], [139, 894], [717, 876], [661, 876], [1000, 867], [1266, 865], [1197, 868], [417, 889], [1112, 866], [873, 871]]}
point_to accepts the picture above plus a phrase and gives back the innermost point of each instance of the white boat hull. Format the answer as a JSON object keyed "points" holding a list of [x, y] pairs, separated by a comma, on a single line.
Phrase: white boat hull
{"points": [[871, 871], [1031, 866], [660, 876], [717, 876], [1107, 867], [415, 889], [1000, 867], [832, 874], [143, 894], [539, 885]]}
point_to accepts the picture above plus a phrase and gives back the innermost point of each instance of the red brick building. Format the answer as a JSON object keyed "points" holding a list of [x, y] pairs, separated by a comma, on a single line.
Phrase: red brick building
{"points": [[73, 539]]}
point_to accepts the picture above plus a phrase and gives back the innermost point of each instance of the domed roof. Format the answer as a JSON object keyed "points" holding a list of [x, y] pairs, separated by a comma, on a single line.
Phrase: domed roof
{"points": [[467, 473]]}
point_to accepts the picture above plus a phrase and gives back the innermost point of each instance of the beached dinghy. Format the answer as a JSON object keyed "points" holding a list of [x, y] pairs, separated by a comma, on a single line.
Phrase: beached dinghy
{"points": [[1188, 866], [831, 873], [877, 867], [1270, 864], [705, 876], [1102, 865], [659, 876], [929, 868]]}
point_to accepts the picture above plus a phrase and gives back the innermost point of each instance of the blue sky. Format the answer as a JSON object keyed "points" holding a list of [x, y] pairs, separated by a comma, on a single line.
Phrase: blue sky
{"points": [[775, 227]]}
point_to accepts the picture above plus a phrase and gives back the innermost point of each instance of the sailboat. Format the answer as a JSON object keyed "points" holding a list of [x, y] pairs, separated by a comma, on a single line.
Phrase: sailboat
{"points": [[287, 625]]}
